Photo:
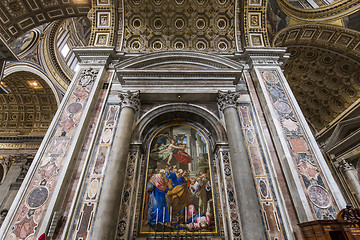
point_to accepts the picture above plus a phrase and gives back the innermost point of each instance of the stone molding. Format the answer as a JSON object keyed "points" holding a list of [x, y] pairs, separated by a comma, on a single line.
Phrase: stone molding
{"points": [[87, 76], [330, 12]]}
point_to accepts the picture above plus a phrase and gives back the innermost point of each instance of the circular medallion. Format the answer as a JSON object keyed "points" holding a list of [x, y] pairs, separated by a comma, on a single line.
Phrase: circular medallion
{"points": [[282, 107], [25, 42], [179, 23], [221, 23], [158, 23], [250, 136], [137, 23], [319, 196], [74, 108], [179, 45], [200, 23], [136, 45], [37, 197], [270, 76]]}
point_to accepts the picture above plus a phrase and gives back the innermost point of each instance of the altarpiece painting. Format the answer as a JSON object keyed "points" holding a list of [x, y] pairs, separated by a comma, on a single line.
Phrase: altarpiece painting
{"points": [[178, 196]]}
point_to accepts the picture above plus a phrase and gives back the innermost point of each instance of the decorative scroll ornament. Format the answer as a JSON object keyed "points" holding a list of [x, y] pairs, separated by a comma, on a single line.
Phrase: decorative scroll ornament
{"points": [[345, 166], [87, 76], [227, 99], [349, 214], [130, 99]]}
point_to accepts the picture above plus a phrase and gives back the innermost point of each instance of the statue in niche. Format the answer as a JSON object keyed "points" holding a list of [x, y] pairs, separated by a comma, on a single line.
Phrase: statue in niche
{"points": [[178, 195]]}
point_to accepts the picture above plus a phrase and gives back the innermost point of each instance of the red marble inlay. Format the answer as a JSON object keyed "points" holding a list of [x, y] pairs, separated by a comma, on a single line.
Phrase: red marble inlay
{"points": [[308, 170], [86, 214], [298, 145], [24, 228], [244, 113], [256, 160]]}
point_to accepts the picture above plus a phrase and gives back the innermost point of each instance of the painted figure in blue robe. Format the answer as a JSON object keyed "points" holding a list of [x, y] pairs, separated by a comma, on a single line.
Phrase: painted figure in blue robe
{"points": [[157, 211], [176, 178]]}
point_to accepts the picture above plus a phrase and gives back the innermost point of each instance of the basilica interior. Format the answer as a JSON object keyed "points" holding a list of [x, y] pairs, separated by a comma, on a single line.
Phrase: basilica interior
{"points": [[180, 119]]}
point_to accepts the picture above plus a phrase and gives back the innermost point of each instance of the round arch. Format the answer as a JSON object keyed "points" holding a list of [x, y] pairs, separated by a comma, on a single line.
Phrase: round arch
{"points": [[164, 114], [173, 59], [13, 68]]}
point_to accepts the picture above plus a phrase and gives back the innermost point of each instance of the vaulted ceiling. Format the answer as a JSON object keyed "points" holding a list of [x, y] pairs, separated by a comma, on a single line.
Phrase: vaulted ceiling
{"points": [[27, 110], [19, 16], [324, 89]]}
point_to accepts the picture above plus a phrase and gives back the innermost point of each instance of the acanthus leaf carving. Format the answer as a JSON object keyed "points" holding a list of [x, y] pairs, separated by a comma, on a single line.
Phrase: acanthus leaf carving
{"points": [[227, 99], [130, 99]]}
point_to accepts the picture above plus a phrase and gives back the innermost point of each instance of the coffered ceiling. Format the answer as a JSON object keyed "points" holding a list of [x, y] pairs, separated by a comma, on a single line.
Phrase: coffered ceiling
{"points": [[19, 16], [29, 106], [325, 83]]}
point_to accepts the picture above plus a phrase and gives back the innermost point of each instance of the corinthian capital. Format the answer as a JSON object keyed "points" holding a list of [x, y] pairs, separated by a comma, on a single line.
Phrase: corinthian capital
{"points": [[345, 166], [130, 99], [227, 99]]}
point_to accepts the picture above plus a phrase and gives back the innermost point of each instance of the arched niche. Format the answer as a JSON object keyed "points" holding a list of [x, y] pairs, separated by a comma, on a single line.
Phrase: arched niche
{"points": [[190, 113], [188, 128], [13, 68]]}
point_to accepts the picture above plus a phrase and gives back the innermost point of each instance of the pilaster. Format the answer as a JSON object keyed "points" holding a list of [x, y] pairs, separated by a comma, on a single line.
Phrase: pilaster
{"points": [[41, 195], [314, 192], [105, 224], [249, 207]]}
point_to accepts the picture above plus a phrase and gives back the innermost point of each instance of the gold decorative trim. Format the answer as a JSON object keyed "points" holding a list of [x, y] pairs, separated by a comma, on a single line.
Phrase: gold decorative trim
{"points": [[103, 17], [255, 24]]}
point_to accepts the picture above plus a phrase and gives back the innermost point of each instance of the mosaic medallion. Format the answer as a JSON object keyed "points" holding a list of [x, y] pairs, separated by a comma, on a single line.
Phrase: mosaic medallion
{"points": [[263, 188], [319, 196], [250, 136], [282, 107], [37, 197], [74, 107]]}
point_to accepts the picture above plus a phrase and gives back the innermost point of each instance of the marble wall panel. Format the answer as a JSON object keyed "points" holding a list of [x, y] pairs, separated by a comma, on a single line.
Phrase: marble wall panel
{"points": [[33, 205], [312, 179], [94, 180], [265, 189]]}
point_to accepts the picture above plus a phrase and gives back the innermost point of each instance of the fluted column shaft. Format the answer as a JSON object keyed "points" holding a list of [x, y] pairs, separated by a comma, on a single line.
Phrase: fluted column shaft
{"points": [[108, 211], [249, 207]]}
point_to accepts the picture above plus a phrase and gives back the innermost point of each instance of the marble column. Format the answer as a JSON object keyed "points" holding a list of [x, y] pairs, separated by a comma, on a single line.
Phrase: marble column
{"points": [[351, 175], [109, 204], [249, 207]]}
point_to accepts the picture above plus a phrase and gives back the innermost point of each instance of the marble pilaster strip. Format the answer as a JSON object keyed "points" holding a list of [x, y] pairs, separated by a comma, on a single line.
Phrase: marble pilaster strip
{"points": [[105, 224], [44, 187], [260, 167], [302, 163]]}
